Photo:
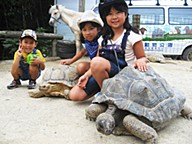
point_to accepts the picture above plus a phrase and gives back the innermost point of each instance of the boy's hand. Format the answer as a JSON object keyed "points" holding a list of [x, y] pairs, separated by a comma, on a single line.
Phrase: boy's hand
{"points": [[20, 49], [36, 60]]}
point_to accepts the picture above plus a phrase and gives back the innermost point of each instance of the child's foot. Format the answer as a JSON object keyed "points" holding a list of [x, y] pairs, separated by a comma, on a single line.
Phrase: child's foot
{"points": [[32, 84], [14, 84]]}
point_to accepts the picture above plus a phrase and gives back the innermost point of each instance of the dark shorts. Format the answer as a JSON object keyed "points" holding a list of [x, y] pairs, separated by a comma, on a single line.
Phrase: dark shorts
{"points": [[92, 87], [25, 71]]}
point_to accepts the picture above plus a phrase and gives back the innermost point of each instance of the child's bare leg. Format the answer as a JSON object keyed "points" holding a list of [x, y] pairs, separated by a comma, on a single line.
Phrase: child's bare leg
{"points": [[100, 68], [82, 67], [16, 73], [34, 72], [77, 94]]}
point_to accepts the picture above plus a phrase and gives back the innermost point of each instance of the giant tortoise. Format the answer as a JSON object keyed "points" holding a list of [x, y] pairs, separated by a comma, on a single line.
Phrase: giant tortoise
{"points": [[136, 103], [56, 81]]}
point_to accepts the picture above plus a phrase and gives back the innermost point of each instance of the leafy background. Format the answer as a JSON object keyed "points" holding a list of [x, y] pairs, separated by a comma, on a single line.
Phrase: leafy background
{"points": [[17, 15]]}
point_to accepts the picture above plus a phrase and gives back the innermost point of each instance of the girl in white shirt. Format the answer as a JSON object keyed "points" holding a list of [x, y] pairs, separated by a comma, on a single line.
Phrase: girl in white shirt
{"points": [[114, 14]]}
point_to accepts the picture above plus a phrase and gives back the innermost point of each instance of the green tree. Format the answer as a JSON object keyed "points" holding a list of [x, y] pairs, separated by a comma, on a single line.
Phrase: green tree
{"points": [[19, 14]]}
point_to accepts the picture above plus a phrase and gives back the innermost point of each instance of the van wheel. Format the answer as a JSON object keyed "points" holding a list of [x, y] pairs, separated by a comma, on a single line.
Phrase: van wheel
{"points": [[187, 54]]}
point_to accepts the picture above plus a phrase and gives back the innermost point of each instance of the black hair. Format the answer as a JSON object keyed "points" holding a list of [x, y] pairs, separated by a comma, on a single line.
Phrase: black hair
{"points": [[107, 32], [82, 25]]}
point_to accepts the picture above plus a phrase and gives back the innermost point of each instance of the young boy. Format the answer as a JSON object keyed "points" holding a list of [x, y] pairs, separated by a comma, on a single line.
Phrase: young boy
{"points": [[28, 61]]}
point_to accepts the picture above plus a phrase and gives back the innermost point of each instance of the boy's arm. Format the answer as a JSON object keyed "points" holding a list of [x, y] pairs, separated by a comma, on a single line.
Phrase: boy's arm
{"points": [[40, 61], [41, 65], [16, 60]]}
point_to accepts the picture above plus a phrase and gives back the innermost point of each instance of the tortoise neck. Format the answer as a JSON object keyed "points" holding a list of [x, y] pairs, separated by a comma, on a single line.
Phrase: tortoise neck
{"points": [[111, 109]]}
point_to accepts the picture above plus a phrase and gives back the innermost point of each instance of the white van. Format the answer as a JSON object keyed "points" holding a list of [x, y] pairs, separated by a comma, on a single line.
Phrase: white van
{"points": [[166, 26]]}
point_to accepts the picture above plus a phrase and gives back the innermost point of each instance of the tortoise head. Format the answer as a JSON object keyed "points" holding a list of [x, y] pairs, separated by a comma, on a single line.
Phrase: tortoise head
{"points": [[105, 123]]}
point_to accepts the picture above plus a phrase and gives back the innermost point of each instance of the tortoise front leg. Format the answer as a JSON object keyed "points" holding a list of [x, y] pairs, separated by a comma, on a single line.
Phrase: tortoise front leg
{"points": [[105, 122], [94, 110], [35, 93], [140, 129]]}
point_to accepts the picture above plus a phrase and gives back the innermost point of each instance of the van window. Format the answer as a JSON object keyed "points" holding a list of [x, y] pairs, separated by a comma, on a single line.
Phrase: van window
{"points": [[165, 29], [149, 16], [180, 16]]}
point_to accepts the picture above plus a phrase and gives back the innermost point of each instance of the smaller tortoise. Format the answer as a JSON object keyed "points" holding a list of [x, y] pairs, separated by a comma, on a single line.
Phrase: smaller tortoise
{"points": [[56, 81], [156, 57], [136, 103]]}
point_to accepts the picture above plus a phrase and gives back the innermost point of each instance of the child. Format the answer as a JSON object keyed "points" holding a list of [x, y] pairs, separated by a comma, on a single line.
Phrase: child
{"points": [[114, 14], [90, 25], [117, 33], [28, 61]]}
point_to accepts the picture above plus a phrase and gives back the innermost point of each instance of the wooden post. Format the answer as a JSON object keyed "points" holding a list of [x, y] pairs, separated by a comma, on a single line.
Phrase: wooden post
{"points": [[136, 21], [17, 34], [81, 5], [54, 46]]}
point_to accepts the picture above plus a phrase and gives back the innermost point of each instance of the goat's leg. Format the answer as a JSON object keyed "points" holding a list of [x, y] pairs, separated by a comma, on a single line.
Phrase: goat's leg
{"points": [[78, 43]]}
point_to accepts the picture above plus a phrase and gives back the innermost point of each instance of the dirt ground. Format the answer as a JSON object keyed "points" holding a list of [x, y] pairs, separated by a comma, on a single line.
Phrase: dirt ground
{"points": [[47, 120]]}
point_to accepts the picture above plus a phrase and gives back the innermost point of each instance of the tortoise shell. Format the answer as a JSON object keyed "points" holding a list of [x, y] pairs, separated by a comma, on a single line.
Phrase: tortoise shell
{"points": [[145, 94], [65, 74]]}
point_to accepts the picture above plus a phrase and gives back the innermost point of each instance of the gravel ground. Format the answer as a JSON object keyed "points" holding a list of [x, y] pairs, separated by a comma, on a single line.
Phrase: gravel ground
{"points": [[47, 120]]}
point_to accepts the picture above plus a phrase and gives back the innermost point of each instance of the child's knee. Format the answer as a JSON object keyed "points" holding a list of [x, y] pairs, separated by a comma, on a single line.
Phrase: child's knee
{"points": [[34, 72], [33, 69], [99, 64], [80, 68], [96, 62], [76, 95]]}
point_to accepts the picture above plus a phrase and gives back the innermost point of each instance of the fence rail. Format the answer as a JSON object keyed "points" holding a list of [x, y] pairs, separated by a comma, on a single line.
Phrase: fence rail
{"points": [[53, 37]]}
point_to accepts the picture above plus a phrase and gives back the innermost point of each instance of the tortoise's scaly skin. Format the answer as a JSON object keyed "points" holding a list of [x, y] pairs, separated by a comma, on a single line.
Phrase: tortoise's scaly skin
{"points": [[56, 81], [143, 101]]}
